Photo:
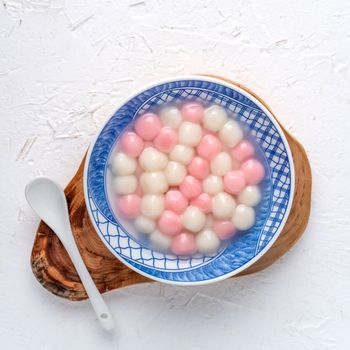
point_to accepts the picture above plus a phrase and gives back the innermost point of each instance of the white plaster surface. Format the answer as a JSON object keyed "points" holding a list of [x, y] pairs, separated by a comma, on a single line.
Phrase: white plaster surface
{"points": [[64, 65]]}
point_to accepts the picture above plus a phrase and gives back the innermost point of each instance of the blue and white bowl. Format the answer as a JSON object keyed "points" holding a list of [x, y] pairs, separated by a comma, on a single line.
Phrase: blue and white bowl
{"points": [[239, 253]]}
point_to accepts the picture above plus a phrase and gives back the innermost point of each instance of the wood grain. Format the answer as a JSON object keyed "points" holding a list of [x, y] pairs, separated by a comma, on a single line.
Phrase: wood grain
{"points": [[53, 268]]}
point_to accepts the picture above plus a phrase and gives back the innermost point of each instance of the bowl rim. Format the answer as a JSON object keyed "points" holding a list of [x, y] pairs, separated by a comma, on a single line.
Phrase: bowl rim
{"points": [[245, 93]]}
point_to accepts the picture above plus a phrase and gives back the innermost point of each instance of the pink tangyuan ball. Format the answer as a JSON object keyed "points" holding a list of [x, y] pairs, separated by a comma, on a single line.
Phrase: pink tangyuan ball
{"points": [[131, 144], [209, 147], [198, 168], [129, 205], [243, 151], [234, 181], [170, 223], [192, 112], [184, 244], [191, 187], [166, 140], [175, 201], [148, 126], [203, 202], [253, 171], [224, 229]]}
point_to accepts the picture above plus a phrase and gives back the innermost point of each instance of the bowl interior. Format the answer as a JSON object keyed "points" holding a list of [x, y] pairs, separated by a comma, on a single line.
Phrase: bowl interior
{"points": [[236, 254]]}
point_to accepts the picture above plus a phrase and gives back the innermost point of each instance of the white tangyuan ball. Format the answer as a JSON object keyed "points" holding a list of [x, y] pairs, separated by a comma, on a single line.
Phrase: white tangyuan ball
{"points": [[243, 217], [190, 134], [207, 242], [152, 160], [212, 184], [152, 205], [154, 182], [250, 196], [223, 205], [125, 184], [144, 224], [193, 219], [231, 133], [122, 164], [221, 164], [182, 154], [214, 118], [175, 173], [170, 116], [160, 240]]}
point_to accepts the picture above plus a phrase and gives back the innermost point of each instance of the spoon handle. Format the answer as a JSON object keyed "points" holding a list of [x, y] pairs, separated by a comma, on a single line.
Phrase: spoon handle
{"points": [[101, 309]]}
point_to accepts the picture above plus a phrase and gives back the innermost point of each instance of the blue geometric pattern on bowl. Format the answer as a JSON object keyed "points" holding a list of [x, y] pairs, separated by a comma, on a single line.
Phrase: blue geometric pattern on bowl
{"points": [[238, 252]]}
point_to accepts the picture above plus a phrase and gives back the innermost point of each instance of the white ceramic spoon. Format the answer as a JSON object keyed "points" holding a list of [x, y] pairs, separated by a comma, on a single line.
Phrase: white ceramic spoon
{"points": [[48, 200]]}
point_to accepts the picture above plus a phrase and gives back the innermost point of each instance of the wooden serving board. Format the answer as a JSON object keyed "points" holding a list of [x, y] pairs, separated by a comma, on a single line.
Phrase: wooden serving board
{"points": [[53, 268]]}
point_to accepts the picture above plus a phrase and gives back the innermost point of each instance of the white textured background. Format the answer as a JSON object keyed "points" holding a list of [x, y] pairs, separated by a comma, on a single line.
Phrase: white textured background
{"points": [[64, 65]]}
